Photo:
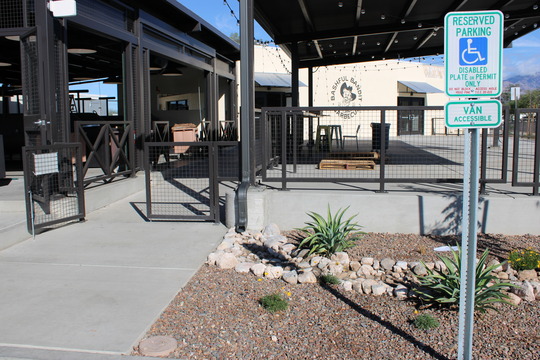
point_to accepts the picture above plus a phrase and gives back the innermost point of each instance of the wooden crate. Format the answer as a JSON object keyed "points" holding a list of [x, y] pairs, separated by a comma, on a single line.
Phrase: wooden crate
{"points": [[355, 156], [329, 164]]}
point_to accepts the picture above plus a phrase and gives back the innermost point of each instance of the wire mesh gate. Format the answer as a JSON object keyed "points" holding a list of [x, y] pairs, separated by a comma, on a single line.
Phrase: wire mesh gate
{"points": [[182, 178], [53, 180]]}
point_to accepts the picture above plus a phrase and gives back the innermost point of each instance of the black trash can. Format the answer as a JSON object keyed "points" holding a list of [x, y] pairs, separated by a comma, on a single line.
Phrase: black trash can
{"points": [[376, 136]]}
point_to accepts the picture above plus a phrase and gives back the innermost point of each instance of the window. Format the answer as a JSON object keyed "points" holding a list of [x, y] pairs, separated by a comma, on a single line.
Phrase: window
{"points": [[177, 105]]}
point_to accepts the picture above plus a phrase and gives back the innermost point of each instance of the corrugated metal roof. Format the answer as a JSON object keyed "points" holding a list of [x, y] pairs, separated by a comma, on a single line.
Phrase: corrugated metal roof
{"points": [[420, 87], [274, 80]]}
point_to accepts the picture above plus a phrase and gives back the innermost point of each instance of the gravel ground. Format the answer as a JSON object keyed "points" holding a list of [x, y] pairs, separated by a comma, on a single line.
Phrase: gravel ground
{"points": [[217, 315]]}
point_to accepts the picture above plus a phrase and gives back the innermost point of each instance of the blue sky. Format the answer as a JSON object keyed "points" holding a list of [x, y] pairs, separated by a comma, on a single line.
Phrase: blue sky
{"points": [[522, 59]]}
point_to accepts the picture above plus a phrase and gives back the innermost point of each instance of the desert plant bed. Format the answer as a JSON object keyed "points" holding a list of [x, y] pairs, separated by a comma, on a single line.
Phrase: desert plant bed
{"points": [[218, 314]]}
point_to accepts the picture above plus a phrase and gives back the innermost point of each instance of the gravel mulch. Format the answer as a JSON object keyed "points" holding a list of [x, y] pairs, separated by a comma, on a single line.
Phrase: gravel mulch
{"points": [[217, 315]]}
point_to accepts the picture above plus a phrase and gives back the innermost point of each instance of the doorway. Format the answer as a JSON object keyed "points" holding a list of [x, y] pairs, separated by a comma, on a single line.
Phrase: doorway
{"points": [[411, 122]]}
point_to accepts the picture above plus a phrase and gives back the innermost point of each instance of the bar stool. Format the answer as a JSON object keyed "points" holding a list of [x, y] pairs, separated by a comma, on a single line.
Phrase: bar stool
{"points": [[323, 137]]}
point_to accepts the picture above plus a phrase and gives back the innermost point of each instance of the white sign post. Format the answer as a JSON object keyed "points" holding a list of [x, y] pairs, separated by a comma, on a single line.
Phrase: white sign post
{"points": [[473, 57]]}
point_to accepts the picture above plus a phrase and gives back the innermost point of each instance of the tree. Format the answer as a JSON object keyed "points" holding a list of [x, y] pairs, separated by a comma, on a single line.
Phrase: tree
{"points": [[531, 99], [235, 37]]}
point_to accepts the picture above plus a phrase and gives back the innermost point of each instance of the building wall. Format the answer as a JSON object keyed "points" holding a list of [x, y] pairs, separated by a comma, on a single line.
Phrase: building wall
{"points": [[377, 81]]}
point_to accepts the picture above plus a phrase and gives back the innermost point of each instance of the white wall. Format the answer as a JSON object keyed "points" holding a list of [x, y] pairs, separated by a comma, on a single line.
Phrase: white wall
{"points": [[377, 80]]}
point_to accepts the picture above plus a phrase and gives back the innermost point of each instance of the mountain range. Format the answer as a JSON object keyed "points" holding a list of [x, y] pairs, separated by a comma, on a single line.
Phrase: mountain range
{"points": [[525, 82]]}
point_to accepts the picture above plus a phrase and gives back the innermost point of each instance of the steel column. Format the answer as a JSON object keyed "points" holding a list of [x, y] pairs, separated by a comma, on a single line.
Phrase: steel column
{"points": [[247, 110]]}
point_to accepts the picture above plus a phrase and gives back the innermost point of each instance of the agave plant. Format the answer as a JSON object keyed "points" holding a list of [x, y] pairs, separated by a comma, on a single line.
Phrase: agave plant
{"points": [[330, 235], [442, 287]]}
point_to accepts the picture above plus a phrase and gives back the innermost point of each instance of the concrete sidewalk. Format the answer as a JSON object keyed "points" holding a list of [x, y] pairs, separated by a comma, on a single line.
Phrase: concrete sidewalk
{"points": [[96, 286]]}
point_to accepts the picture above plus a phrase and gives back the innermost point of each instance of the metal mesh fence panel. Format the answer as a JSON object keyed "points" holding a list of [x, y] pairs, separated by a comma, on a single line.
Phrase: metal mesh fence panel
{"points": [[30, 75], [178, 181], [414, 153], [227, 160], [360, 145], [53, 179], [11, 13], [182, 178], [526, 146]]}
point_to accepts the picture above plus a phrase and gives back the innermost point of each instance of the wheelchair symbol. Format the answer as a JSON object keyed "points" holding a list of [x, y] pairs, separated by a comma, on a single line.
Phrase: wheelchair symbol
{"points": [[473, 51]]}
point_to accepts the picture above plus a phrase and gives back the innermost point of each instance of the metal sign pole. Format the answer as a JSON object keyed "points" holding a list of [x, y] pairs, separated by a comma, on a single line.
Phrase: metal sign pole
{"points": [[468, 244]]}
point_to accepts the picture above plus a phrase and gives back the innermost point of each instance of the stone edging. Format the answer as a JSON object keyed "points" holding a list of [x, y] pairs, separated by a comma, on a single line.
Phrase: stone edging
{"points": [[267, 254]]}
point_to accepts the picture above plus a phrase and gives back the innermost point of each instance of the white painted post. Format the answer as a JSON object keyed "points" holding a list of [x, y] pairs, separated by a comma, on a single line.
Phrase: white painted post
{"points": [[468, 244]]}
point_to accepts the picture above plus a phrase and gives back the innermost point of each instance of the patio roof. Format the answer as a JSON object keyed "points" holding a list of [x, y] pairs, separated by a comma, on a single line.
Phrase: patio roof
{"points": [[274, 80], [338, 32], [420, 87]]}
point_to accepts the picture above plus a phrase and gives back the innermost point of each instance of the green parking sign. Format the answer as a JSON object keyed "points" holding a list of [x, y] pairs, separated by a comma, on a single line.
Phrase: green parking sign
{"points": [[473, 53], [473, 114]]}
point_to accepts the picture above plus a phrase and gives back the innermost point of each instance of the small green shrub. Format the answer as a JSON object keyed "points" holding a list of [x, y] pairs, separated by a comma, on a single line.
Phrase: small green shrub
{"points": [[329, 279], [426, 322], [330, 235], [274, 302], [525, 259], [442, 288]]}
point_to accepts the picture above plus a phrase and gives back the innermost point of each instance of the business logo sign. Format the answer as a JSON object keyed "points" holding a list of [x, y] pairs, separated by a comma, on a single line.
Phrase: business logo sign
{"points": [[473, 53], [346, 92]]}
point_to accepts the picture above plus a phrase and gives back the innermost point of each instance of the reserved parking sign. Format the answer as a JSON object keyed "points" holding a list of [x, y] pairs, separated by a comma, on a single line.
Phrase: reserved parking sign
{"points": [[473, 53]]}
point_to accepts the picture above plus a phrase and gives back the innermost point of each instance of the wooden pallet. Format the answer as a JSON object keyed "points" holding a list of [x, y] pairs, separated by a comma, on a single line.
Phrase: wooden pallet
{"points": [[355, 156], [329, 164]]}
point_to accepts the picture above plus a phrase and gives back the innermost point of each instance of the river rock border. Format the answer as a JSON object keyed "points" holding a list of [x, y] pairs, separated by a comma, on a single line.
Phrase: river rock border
{"points": [[268, 254]]}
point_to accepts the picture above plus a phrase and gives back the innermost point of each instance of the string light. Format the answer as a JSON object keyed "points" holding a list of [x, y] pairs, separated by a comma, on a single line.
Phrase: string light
{"points": [[232, 12]]}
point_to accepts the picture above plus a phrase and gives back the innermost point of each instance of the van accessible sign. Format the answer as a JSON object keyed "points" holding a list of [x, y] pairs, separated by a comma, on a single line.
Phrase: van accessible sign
{"points": [[473, 114], [473, 53]]}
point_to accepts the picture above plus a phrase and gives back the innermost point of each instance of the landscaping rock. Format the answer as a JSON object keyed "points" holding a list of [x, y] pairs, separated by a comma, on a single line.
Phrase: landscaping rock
{"points": [[226, 244], [324, 263], [401, 292], [302, 253], [420, 270], [525, 291], [342, 258], [513, 299], [357, 286], [365, 271], [346, 286], [212, 257], [290, 277], [502, 275], [315, 261], [335, 269], [378, 289], [307, 278], [258, 269], [226, 261], [275, 241], [271, 229], [527, 275], [354, 265], [402, 265], [440, 266], [273, 272], [536, 289], [243, 267], [499, 267], [387, 264], [376, 264], [367, 285], [367, 261]]}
